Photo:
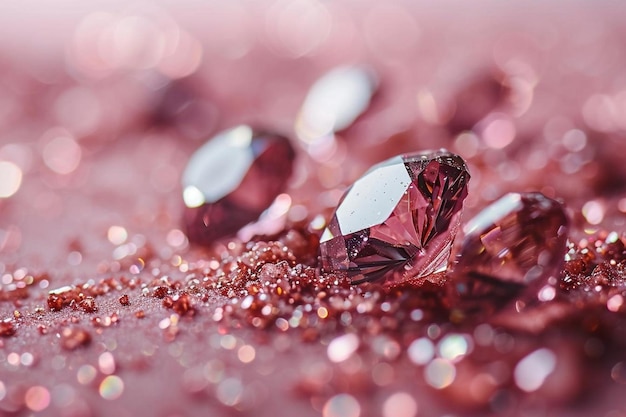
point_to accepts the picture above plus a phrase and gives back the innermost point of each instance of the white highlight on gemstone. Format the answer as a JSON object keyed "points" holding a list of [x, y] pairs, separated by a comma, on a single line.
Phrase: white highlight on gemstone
{"points": [[393, 176], [193, 197], [220, 151], [532, 371], [509, 203], [10, 179], [342, 347], [334, 102]]}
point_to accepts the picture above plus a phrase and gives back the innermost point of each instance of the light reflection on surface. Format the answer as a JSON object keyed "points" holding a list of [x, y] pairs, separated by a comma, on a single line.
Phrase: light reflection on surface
{"points": [[342, 405], [11, 176], [440, 373], [531, 372], [62, 154]]}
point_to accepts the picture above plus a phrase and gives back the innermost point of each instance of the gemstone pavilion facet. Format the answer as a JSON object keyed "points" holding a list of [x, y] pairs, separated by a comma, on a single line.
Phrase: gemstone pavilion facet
{"points": [[516, 242], [232, 179], [398, 221]]}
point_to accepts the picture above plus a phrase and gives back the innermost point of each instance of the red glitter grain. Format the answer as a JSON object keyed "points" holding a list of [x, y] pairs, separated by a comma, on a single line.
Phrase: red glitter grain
{"points": [[88, 305], [7, 329], [124, 300]]}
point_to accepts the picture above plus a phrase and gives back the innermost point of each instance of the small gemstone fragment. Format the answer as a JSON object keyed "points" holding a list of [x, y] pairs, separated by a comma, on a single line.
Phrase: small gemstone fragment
{"points": [[124, 300], [231, 180], [517, 241], [88, 305], [335, 101], [160, 292], [182, 305], [398, 221], [7, 329]]}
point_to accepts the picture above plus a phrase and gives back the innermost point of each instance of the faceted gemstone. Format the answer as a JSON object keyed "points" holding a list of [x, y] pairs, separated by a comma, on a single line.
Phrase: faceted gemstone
{"points": [[232, 179], [335, 101], [519, 241], [398, 221]]}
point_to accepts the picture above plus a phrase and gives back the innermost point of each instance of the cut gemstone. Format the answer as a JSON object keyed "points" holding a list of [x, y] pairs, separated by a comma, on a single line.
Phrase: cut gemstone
{"points": [[516, 242], [232, 179], [398, 221], [335, 101]]}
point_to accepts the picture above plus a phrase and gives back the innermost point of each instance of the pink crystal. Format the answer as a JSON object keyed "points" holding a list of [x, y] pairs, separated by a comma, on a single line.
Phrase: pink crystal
{"points": [[516, 242], [232, 179], [398, 221]]}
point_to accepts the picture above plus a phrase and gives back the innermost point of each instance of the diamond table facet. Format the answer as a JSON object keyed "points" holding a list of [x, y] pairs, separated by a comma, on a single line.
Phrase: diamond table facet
{"points": [[232, 179], [398, 221]]}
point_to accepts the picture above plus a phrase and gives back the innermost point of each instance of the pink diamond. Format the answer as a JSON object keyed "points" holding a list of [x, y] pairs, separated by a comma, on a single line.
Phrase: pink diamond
{"points": [[398, 221], [516, 242], [232, 179]]}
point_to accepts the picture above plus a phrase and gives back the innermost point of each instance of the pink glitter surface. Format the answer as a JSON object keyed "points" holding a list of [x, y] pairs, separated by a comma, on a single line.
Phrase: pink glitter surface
{"points": [[107, 309]]}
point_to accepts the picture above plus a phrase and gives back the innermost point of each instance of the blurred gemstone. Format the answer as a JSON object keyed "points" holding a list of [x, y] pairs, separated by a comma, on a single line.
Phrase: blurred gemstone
{"points": [[335, 101], [232, 179], [516, 242], [476, 99], [398, 221]]}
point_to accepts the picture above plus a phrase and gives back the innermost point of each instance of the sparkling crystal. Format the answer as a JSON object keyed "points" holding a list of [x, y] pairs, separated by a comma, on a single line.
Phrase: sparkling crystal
{"points": [[516, 242], [335, 101], [232, 179], [398, 221]]}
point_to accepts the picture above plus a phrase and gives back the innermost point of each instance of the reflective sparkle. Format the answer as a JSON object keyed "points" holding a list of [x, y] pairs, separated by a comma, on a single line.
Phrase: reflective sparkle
{"points": [[232, 179], [398, 221]]}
